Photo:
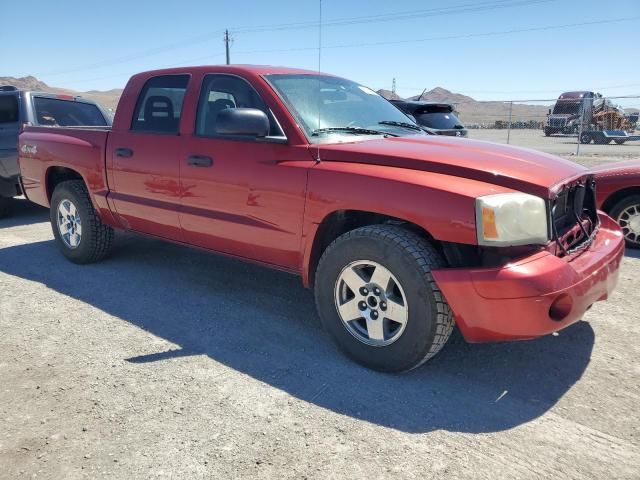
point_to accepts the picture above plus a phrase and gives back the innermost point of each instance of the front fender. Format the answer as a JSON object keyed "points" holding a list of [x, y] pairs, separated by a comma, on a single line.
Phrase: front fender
{"points": [[442, 205]]}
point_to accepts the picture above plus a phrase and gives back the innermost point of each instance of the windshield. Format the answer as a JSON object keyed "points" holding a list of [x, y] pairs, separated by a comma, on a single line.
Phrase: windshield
{"points": [[565, 107], [438, 118], [329, 106]]}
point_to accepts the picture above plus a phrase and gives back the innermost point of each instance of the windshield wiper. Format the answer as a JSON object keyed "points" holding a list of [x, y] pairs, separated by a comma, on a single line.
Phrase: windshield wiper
{"points": [[354, 130], [408, 125]]}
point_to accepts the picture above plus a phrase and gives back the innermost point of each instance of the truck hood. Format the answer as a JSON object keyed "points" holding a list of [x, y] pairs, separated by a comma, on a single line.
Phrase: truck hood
{"points": [[519, 169]]}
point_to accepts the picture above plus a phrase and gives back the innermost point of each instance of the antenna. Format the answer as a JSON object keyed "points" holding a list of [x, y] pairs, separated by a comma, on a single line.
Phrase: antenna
{"points": [[393, 88], [319, 69]]}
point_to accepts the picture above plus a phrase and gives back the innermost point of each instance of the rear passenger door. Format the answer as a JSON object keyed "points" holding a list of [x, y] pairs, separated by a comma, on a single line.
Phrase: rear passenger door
{"points": [[144, 168]]}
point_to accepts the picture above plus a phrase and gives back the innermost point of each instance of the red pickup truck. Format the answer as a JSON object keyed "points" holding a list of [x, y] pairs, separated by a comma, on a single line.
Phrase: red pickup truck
{"points": [[399, 233]]}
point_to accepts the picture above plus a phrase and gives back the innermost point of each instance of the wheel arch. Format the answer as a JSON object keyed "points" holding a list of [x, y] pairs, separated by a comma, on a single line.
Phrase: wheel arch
{"points": [[338, 222], [58, 174], [618, 196]]}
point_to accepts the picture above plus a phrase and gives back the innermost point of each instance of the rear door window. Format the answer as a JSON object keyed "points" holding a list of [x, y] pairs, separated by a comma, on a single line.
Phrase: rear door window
{"points": [[55, 112], [159, 105], [9, 121], [9, 112]]}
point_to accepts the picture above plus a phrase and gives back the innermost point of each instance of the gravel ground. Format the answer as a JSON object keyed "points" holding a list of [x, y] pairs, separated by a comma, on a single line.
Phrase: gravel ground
{"points": [[166, 362], [564, 146]]}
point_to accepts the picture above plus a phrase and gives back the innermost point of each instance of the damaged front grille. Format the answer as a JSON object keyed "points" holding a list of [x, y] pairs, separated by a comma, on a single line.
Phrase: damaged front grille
{"points": [[574, 217]]}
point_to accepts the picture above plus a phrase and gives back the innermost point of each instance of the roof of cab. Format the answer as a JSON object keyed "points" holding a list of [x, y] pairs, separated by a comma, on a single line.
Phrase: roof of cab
{"points": [[237, 69]]}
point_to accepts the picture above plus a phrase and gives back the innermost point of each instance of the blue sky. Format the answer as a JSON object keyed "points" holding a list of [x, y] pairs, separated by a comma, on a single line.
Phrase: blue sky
{"points": [[69, 44]]}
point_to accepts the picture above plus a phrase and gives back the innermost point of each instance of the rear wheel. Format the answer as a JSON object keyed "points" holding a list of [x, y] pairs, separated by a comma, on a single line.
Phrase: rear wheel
{"points": [[376, 297], [627, 213], [79, 233], [619, 141], [4, 206], [585, 138]]}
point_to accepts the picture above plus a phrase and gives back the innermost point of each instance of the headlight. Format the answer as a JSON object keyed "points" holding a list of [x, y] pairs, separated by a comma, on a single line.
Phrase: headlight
{"points": [[508, 219]]}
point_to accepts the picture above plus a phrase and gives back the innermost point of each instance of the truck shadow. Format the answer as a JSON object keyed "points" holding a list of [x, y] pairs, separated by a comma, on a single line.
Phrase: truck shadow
{"points": [[23, 212], [263, 323]]}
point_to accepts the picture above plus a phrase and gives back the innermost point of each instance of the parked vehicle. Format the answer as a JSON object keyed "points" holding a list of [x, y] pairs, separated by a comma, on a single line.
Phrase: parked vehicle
{"points": [[591, 116], [397, 232], [436, 118], [569, 109], [17, 108], [619, 196]]}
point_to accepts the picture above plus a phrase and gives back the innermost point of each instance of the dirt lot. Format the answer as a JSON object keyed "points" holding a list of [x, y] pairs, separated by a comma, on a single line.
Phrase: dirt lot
{"points": [[165, 362], [564, 146]]}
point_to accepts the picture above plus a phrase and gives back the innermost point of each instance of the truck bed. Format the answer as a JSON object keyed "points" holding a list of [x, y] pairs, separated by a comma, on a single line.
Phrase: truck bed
{"points": [[44, 151]]}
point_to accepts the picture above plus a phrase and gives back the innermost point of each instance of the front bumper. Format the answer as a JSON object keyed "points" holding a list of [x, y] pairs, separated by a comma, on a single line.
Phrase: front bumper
{"points": [[536, 295]]}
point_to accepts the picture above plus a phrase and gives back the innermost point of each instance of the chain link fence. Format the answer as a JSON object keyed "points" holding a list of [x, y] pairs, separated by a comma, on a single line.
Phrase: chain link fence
{"points": [[574, 124]]}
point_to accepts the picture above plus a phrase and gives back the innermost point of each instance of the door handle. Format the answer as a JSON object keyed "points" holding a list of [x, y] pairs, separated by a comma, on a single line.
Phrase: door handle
{"points": [[124, 152], [199, 161]]}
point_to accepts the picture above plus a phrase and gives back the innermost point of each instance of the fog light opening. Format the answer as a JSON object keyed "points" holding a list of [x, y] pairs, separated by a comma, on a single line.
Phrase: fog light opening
{"points": [[561, 308]]}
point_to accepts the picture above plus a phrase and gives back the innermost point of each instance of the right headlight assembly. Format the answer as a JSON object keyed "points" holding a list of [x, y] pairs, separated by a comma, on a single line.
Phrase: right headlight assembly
{"points": [[510, 219]]}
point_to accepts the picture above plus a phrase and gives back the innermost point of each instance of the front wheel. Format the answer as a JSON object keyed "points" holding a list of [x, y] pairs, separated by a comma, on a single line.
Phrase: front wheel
{"points": [[79, 233], [376, 297]]}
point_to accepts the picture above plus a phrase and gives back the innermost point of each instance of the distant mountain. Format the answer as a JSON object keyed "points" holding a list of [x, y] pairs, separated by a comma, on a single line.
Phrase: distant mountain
{"points": [[108, 99], [388, 94], [442, 95], [471, 111]]}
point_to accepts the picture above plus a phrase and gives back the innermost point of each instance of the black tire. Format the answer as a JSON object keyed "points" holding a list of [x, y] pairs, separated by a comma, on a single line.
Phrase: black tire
{"points": [[620, 141], [618, 209], [547, 132], [97, 238], [585, 138], [4, 206], [410, 258]]}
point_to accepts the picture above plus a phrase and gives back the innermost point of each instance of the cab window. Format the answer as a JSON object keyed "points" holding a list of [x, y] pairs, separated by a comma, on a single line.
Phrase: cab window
{"points": [[220, 92], [159, 105]]}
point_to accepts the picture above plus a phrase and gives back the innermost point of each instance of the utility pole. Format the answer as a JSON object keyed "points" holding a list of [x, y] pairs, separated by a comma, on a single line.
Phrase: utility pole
{"points": [[227, 39]]}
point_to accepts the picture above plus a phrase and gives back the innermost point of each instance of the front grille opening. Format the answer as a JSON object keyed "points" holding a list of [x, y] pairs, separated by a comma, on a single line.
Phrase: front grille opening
{"points": [[574, 217]]}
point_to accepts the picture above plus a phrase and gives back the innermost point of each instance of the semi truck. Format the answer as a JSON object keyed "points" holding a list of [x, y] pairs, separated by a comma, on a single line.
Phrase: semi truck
{"points": [[591, 117]]}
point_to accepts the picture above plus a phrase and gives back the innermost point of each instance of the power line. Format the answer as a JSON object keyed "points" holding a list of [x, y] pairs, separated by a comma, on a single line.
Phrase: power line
{"points": [[396, 42], [447, 37], [136, 56], [406, 15]]}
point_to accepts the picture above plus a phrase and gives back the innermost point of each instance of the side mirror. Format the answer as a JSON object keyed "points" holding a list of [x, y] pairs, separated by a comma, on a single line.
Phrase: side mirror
{"points": [[249, 122]]}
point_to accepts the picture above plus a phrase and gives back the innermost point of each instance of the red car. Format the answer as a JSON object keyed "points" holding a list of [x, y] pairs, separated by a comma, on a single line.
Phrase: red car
{"points": [[618, 194], [399, 233]]}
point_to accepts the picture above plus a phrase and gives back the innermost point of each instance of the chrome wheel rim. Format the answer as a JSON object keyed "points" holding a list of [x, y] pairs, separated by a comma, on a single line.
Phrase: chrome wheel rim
{"points": [[629, 220], [69, 224], [371, 303]]}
